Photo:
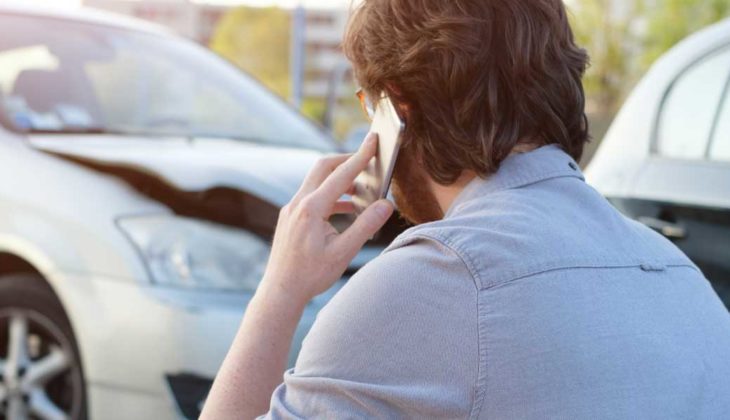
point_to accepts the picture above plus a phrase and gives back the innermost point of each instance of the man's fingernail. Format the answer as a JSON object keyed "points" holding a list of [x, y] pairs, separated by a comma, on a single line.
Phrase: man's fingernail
{"points": [[372, 138], [383, 209]]}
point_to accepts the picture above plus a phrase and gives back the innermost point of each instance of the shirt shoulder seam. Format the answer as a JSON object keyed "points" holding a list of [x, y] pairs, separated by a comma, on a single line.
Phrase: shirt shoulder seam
{"points": [[464, 258]]}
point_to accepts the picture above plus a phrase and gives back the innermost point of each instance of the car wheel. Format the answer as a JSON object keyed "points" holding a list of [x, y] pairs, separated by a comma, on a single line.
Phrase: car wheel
{"points": [[39, 359]]}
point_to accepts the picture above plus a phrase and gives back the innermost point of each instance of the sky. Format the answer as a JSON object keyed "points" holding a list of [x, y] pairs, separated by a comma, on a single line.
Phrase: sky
{"points": [[282, 3]]}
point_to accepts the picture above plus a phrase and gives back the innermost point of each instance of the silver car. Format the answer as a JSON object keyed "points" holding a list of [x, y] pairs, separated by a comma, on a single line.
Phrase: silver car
{"points": [[665, 161], [141, 179]]}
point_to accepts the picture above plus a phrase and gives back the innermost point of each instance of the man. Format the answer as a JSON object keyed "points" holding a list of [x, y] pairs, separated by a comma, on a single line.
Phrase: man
{"points": [[521, 293]]}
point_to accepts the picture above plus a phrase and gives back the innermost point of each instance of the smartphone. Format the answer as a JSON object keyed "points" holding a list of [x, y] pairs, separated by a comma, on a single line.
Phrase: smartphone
{"points": [[373, 183]]}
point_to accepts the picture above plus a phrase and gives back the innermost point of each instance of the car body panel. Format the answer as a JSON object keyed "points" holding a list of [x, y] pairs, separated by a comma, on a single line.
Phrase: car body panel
{"points": [[630, 140], [72, 235], [130, 332], [698, 182], [174, 331]]}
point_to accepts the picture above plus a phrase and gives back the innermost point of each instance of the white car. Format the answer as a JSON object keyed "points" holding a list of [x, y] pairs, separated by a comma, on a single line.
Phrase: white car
{"points": [[665, 161], [141, 179]]}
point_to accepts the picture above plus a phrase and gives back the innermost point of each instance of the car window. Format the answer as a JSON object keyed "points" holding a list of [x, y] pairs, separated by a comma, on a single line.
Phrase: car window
{"points": [[15, 61], [59, 76], [720, 146], [174, 98], [688, 113]]}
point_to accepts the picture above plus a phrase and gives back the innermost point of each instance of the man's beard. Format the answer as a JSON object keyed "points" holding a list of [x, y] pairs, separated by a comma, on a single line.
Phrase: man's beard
{"points": [[412, 192]]}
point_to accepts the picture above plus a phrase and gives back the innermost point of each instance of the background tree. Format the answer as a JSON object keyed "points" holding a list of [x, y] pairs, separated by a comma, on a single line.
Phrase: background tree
{"points": [[672, 20], [609, 36], [257, 40]]}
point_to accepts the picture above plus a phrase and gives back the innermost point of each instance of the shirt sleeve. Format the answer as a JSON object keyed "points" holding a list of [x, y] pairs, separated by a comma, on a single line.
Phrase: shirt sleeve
{"points": [[399, 340]]}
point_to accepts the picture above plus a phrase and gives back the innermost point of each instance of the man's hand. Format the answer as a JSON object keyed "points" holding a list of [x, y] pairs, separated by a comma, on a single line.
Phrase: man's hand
{"points": [[307, 257], [308, 254]]}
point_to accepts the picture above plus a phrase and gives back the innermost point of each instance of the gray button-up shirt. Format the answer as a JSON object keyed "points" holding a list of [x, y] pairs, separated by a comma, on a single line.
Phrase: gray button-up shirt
{"points": [[532, 299]]}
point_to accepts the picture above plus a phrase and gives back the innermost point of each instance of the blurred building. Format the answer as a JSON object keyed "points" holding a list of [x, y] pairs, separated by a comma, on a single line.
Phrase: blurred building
{"points": [[320, 44], [191, 20]]}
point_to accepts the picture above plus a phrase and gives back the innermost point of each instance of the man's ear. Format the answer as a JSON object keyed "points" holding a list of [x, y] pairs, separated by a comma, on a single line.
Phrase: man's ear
{"points": [[404, 110], [396, 95]]}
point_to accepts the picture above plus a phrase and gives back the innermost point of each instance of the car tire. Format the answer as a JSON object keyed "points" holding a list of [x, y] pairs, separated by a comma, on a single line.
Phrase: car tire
{"points": [[40, 365]]}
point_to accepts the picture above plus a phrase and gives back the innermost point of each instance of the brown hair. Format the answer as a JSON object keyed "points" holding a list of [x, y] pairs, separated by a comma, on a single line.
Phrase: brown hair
{"points": [[478, 76]]}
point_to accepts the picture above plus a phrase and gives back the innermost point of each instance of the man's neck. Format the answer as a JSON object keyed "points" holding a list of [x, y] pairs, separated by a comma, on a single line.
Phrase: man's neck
{"points": [[446, 194]]}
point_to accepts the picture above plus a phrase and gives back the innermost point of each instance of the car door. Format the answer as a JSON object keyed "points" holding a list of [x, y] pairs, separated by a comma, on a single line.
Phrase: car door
{"points": [[683, 190]]}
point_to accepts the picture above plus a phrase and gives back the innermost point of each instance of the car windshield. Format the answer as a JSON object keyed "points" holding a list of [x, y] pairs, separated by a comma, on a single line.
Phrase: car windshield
{"points": [[63, 76]]}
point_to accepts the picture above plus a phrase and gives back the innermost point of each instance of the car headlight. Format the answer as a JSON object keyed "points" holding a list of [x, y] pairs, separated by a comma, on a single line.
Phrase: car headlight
{"points": [[197, 254]]}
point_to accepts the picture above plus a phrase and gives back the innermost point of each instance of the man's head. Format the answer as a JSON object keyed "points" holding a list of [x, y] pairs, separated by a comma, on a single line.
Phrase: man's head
{"points": [[477, 77]]}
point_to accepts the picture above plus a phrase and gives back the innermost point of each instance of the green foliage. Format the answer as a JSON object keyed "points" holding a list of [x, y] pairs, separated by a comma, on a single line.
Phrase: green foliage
{"points": [[673, 20], [257, 41], [349, 115], [314, 108], [608, 39]]}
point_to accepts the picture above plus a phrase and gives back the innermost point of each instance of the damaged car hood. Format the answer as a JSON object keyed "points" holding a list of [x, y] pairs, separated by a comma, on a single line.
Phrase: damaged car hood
{"points": [[270, 173], [229, 182]]}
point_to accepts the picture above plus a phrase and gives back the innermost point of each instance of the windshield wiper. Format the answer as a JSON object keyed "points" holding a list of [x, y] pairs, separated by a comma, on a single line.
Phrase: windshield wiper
{"points": [[101, 131], [190, 136], [74, 130]]}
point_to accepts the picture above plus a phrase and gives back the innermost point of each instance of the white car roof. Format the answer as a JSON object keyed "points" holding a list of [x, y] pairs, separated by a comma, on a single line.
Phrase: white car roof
{"points": [[81, 14], [699, 43], [627, 145]]}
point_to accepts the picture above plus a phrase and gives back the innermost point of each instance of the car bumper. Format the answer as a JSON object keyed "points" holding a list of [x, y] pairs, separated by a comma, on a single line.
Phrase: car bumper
{"points": [[148, 352]]}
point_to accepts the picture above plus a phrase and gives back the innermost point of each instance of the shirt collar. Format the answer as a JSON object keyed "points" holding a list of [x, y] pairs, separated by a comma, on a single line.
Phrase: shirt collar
{"points": [[521, 169]]}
